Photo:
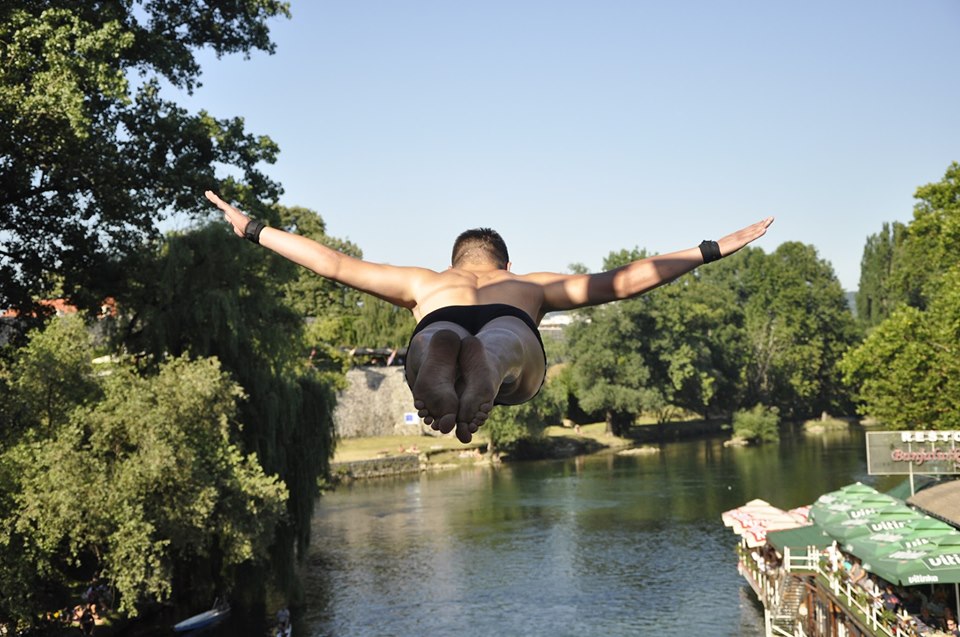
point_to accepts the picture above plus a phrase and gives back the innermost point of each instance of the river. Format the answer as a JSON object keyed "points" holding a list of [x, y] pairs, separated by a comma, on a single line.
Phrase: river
{"points": [[599, 545]]}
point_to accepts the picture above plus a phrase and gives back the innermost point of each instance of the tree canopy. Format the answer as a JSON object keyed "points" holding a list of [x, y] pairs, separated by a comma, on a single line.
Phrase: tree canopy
{"points": [[92, 154], [142, 482], [753, 328], [906, 371]]}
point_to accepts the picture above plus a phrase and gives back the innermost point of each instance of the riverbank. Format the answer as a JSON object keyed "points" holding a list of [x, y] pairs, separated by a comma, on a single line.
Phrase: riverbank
{"points": [[378, 456]]}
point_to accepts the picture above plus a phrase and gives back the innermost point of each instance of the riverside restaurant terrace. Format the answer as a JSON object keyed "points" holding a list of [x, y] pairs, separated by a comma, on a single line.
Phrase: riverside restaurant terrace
{"points": [[857, 562]]}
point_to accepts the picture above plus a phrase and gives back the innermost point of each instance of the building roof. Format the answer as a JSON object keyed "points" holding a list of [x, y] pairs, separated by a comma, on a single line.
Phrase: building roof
{"points": [[941, 501]]}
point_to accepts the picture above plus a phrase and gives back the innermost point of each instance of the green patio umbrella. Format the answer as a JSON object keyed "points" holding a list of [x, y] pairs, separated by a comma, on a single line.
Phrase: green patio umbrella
{"points": [[899, 535], [856, 487], [848, 502], [799, 539], [844, 523], [936, 562]]}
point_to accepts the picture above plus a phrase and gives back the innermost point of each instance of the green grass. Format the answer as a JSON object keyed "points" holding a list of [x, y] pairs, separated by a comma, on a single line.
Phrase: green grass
{"points": [[353, 449]]}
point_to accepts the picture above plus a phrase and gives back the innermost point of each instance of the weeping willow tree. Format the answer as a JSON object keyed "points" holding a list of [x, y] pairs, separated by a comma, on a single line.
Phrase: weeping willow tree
{"points": [[207, 294]]}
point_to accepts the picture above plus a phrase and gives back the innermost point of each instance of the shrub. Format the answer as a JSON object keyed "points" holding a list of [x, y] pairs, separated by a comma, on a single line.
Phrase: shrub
{"points": [[759, 424]]}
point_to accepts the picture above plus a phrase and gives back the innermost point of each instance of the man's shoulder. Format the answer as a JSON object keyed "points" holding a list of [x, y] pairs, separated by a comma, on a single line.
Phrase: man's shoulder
{"points": [[544, 278]]}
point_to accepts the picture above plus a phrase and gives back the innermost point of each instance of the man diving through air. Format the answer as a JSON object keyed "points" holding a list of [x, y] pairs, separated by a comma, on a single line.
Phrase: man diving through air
{"points": [[476, 342]]}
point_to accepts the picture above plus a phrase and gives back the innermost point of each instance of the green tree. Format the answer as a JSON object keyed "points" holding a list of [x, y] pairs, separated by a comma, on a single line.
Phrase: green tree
{"points": [[338, 316], [759, 424], [751, 328], [41, 384], [907, 371], [144, 486], [798, 325], [90, 152], [206, 294], [611, 359], [929, 248], [137, 478], [49, 378], [876, 296], [655, 353], [696, 345], [511, 426]]}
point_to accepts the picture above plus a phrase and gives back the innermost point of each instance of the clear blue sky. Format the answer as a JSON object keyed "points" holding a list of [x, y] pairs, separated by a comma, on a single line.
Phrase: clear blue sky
{"points": [[579, 128]]}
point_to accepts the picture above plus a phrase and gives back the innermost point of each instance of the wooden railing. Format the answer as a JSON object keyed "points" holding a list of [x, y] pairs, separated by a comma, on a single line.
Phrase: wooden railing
{"points": [[768, 584]]}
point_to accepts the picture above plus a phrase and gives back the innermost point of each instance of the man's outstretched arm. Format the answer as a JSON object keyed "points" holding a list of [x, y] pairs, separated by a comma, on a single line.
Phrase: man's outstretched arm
{"points": [[392, 283], [566, 292]]}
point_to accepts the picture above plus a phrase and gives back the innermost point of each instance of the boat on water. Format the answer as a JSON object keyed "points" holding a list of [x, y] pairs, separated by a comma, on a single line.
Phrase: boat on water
{"points": [[204, 619]]}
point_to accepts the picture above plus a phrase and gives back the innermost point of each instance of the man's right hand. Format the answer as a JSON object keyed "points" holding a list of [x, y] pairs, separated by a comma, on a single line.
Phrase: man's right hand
{"points": [[736, 240]]}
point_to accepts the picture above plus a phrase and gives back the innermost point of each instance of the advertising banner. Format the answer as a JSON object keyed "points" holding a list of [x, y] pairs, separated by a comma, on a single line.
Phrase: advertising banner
{"points": [[913, 452]]}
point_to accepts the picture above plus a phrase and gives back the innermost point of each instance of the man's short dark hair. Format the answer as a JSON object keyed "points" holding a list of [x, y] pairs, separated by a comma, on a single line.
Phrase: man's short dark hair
{"points": [[480, 245]]}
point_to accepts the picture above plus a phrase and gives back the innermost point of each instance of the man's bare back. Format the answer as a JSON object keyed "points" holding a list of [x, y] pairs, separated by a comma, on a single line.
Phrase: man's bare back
{"points": [[458, 367]]}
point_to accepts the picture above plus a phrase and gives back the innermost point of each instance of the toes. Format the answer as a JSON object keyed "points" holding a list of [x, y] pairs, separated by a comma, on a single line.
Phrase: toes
{"points": [[464, 434], [447, 423]]}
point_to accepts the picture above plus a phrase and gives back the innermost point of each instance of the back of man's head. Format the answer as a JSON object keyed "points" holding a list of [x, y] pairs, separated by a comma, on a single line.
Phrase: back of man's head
{"points": [[480, 246]]}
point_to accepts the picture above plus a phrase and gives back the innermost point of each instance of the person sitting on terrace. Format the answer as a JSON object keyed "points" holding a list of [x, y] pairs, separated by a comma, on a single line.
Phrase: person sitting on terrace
{"points": [[855, 572], [891, 601], [868, 584], [952, 629], [911, 600], [926, 622]]}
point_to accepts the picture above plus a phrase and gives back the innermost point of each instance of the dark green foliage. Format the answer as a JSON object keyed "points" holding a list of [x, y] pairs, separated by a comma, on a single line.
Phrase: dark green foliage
{"points": [[798, 325], [876, 297], [513, 425], [48, 378], [338, 316], [750, 328], [906, 372], [930, 247], [759, 424], [142, 483], [213, 295], [91, 155]]}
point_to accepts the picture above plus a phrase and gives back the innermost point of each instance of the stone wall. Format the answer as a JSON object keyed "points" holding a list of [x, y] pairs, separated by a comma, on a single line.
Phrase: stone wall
{"points": [[376, 402], [376, 467]]}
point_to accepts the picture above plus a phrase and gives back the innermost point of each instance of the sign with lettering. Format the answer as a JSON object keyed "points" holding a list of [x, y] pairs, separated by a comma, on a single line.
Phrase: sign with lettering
{"points": [[906, 452]]}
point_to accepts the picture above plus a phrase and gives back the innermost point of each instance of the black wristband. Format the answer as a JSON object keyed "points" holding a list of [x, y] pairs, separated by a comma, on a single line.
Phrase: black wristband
{"points": [[252, 231], [710, 250]]}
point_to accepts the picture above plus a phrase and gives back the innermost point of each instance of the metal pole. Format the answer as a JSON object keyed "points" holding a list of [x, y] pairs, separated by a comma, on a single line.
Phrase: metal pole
{"points": [[912, 491]]}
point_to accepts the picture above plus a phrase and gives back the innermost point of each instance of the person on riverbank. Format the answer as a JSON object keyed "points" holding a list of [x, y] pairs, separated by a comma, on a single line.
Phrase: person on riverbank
{"points": [[476, 343], [87, 621]]}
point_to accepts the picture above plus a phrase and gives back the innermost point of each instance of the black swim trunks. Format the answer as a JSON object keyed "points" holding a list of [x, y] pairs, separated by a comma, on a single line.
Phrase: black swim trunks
{"points": [[473, 317]]}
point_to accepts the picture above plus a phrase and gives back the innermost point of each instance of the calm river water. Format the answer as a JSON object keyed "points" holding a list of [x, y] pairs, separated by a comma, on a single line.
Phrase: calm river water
{"points": [[600, 545]]}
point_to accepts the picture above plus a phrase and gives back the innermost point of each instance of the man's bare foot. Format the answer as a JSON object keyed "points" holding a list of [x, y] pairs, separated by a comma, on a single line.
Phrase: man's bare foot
{"points": [[433, 392], [480, 385]]}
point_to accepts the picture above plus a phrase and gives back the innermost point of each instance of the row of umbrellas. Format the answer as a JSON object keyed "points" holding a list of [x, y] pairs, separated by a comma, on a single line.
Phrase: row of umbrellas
{"points": [[892, 540]]}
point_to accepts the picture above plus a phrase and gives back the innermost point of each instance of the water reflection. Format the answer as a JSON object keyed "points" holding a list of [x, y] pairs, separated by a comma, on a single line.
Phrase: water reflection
{"points": [[614, 545]]}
